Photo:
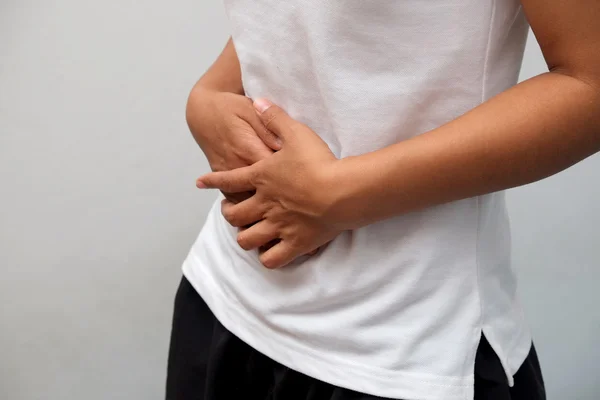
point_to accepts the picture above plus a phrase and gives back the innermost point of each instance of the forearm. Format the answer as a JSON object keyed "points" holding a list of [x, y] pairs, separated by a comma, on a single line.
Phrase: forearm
{"points": [[224, 75], [222, 119], [536, 129]]}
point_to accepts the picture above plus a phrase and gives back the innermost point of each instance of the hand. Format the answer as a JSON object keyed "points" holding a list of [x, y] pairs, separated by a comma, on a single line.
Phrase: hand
{"points": [[293, 199], [229, 132]]}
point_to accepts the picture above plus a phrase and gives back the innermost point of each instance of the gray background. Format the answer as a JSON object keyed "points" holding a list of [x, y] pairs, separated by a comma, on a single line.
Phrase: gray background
{"points": [[98, 204]]}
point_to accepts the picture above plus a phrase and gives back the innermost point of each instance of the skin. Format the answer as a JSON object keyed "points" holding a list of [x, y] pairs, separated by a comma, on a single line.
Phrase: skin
{"points": [[225, 126], [305, 197], [223, 122]]}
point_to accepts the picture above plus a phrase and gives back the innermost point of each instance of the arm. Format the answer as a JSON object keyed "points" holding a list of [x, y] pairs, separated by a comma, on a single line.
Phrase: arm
{"points": [[217, 107], [224, 75], [535, 129], [306, 197], [222, 120]]}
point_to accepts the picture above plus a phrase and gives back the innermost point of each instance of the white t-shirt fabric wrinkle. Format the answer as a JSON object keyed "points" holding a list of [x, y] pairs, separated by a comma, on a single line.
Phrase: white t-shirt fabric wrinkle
{"points": [[394, 309]]}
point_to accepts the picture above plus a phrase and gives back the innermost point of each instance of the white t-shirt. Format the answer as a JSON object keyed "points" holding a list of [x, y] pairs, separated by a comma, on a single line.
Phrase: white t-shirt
{"points": [[394, 309]]}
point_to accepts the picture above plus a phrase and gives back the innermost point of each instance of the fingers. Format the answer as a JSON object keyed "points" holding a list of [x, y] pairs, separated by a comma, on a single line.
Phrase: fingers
{"points": [[269, 138], [267, 246], [274, 118], [244, 213], [279, 255], [238, 197], [257, 235], [234, 181], [318, 249]]}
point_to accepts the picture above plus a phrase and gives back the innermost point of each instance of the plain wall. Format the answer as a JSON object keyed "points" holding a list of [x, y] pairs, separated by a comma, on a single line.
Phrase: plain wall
{"points": [[98, 206]]}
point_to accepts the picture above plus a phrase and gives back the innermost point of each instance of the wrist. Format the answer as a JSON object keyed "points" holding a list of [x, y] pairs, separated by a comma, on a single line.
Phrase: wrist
{"points": [[350, 191]]}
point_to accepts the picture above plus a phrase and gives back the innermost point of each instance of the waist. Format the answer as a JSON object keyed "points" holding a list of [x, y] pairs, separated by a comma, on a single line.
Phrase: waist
{"points": [[420, 256]]}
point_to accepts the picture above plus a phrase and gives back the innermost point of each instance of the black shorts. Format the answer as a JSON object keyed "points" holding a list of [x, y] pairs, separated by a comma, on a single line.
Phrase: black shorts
{"points": [[207, 362]]}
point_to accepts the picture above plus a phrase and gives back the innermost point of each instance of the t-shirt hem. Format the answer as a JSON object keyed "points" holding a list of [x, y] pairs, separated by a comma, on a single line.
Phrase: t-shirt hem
{"points": [[333, 370]]}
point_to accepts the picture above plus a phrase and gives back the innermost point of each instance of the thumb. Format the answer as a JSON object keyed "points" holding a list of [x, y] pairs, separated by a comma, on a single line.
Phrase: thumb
{"points": [[275, 119]]}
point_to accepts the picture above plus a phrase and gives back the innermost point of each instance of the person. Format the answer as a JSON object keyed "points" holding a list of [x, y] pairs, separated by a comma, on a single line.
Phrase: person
{"points": [[359, 247]]}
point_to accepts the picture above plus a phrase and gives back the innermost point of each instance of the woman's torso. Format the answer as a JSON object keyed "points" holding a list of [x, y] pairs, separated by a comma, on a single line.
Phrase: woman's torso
{"points": [[395, 308]]}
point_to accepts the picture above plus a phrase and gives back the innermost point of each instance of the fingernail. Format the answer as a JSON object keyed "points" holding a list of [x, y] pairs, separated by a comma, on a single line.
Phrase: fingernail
{"points": [[261, 105], [200, 184]]}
